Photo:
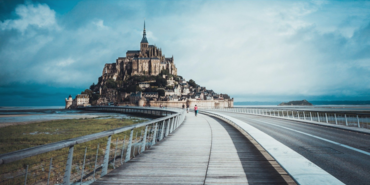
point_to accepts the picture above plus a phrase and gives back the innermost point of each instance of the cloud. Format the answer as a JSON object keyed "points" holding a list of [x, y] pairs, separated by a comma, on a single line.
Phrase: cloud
{"points": [[250, 50], [39, 15]]}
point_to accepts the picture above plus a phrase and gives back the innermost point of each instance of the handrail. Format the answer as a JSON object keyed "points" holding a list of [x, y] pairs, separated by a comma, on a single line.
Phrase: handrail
{"points": [[160, 127], [29, 152], [351, 120]]}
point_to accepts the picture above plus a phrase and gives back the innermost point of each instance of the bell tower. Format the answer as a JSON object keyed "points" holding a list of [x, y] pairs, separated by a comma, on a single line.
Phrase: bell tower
{"points": [[144, 42]]}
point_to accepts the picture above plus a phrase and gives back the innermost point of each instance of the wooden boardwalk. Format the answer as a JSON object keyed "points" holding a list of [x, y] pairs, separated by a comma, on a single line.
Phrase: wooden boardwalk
{"points": [[202, 151]]}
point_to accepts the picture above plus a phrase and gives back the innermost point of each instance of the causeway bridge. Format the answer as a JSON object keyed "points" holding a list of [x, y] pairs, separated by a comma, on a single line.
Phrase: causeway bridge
{"points": [[219, 146]]}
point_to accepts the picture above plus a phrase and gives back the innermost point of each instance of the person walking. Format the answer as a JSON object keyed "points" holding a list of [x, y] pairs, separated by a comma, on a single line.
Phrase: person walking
{"points": [[187, 107], [196, 110], [183, 106]]}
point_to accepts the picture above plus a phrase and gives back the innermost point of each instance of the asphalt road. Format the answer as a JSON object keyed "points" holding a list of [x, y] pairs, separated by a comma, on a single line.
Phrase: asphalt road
{"points": [[346, 164], [340, 109]]}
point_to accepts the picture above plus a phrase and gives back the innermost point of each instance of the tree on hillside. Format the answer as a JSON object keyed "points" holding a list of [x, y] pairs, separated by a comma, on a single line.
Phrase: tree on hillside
{"points": [[111, 83], [92, 87], [192, 83], [160, 92], [92, 96], [164, 72], [88, 92], [161, 82]]}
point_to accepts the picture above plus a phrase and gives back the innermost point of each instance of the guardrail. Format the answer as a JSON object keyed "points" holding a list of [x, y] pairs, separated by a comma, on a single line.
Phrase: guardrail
{"points": [[16, 168], [337, 118], [300, 169]]}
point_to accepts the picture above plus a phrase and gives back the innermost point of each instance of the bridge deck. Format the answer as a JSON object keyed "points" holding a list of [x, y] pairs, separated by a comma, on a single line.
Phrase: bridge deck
{"points": [[202, 151]]}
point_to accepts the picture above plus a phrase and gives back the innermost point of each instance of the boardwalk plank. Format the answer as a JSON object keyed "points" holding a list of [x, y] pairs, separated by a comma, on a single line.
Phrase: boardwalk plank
{"points": [[202, 151]]}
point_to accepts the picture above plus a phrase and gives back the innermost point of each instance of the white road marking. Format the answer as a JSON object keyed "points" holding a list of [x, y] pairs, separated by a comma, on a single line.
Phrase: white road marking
{"points": [[300, 168], [317, 137]]}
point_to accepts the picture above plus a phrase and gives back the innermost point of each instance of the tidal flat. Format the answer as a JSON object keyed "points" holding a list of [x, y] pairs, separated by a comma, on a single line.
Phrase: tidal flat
{"points": [[17, 137], [13, 138]]}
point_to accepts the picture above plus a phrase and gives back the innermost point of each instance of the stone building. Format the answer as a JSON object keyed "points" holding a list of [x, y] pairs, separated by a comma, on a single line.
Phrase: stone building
{"points": [[69, 102], [149, 60], [150, 95], [135, 97], [81, 100]]}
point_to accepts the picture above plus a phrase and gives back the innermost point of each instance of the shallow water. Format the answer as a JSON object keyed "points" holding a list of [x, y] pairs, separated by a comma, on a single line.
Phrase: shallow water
{"points": [[33, 115]]}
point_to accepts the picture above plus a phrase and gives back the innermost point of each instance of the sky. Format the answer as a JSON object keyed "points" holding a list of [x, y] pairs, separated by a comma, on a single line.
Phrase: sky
{"points": [[251, 50]]}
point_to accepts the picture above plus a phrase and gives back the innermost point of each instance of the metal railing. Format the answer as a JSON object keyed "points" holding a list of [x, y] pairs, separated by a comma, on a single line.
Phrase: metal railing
{"points": [[337, 118], [82, 159]]}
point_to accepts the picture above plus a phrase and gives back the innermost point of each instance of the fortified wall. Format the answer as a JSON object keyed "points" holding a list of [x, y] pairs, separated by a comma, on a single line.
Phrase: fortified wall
{"points": [[192, 102]]}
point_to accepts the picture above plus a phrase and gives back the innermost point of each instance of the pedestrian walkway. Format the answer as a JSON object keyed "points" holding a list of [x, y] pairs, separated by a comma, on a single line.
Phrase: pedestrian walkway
{"points": [[202, 151]]}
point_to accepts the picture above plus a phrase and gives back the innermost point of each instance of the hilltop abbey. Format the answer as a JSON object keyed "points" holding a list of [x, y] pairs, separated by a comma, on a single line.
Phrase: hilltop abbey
{"points": [[146, 77], [146, 61]]}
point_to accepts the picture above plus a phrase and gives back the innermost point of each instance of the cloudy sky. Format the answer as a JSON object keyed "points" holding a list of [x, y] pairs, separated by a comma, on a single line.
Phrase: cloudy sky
{"points": [[252, 50]]}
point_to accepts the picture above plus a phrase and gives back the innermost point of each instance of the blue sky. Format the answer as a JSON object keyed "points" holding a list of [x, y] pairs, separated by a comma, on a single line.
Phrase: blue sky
{"points": [[252, 50]]}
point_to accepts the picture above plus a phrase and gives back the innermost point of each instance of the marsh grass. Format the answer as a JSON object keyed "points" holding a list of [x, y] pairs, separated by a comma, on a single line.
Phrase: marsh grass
{"points": [[19, 137]]}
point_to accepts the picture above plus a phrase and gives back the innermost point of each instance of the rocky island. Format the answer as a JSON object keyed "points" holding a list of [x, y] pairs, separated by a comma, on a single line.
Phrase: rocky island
{"points": [[296, 103], [146, 77]]}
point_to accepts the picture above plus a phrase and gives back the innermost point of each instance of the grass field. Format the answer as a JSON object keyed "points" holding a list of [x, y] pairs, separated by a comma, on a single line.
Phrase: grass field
{"points": [[13, 138]]}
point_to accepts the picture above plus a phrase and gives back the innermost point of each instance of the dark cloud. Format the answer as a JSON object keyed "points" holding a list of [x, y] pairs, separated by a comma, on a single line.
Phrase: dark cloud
{"points": [[21, 94], [250, 50]]}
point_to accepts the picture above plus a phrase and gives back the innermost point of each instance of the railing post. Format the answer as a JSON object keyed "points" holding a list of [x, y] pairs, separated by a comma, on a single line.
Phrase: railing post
{"points": [[144, 139], [128, 153], [67, 173], [25, 178], [96, 159], [318, 117], [104, 170], [311, 116], [335, 117], [297, 114], [155, 134], [358, 122], [50, 166], [134, 152], [162, 130], [173, 124], [123, 148], [168, 126], [304, 115], [345, 116], [83, 166], [292, 114], [115, 151], [326, 117], [177, 122]]}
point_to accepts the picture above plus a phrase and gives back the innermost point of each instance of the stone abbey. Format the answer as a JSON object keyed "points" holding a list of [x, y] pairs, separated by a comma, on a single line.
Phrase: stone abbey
{"points": [[146, 77], [146, 61]]}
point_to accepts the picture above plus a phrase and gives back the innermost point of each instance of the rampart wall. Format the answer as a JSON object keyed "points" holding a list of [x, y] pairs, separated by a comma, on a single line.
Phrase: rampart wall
{"points": [[192, 103]]}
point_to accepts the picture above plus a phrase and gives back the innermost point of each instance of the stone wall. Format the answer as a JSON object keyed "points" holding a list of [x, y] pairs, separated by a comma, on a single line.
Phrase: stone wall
{"points": [[193, 102]]}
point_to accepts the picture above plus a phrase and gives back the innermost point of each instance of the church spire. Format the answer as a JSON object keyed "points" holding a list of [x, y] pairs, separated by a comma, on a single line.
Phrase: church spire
{"points": [[144, 32], [144, 40]]}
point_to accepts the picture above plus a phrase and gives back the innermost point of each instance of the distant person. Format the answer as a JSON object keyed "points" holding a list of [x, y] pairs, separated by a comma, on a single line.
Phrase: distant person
{"points": [[183, 106], [187, 108], [160, 106], [196, 110]]}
